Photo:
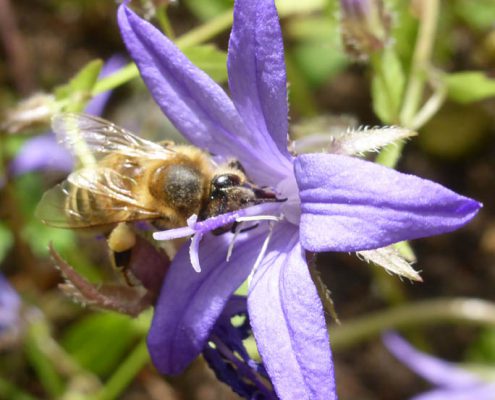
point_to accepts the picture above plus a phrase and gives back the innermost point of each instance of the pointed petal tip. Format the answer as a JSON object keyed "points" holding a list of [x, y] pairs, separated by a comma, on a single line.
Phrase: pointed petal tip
{"points": [[370, 206], [470, 207]]}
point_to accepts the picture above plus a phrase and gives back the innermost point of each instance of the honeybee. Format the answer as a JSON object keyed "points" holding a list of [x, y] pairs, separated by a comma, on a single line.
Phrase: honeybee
{"points": [[125, 179]]}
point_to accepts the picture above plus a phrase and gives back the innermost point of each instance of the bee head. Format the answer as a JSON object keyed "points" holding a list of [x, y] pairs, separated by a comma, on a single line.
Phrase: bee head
{"points": [[225, 181], [231, 191]]}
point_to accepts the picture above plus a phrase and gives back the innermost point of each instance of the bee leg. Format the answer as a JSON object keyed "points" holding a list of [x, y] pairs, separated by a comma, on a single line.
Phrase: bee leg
{"points": [[122, 238], [121, 261], [236, 164], [120, 243]]}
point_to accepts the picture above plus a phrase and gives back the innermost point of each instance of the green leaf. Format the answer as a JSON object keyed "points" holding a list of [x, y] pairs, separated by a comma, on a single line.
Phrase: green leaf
{"points": [[319, 62], [478, 14], [318, 53], [470, 86], [387, 86], [210, 59], [100, 341], [78, 91]]}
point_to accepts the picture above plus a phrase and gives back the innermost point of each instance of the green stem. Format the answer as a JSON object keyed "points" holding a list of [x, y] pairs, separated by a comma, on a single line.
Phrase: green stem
{"points": [[456, 310], [162, 16], [194, 37], [44, 367], [377, 60], [430, 108], [136, 361], [207, 31], [116, 79], [391, 154], [408, 115], [420, 61]]}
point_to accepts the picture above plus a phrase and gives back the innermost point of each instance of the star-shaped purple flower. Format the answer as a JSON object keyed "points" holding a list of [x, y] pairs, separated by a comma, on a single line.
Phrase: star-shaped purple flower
{"points": [[452, 382], [334, 203]]}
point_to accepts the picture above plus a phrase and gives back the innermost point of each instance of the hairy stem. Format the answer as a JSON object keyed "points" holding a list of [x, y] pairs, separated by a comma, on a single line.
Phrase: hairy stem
{"points": [[127, 371]]}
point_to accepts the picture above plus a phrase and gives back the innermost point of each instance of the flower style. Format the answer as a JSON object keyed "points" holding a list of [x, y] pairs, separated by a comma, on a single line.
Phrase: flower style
{"points": [[333, 203], [454, 382]]}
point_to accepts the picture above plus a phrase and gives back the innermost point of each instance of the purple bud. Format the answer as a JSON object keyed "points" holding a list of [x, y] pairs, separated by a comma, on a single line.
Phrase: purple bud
{"points": [[365, 27]]}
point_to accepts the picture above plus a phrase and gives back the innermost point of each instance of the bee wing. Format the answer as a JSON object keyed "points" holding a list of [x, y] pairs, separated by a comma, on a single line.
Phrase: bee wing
{"points": [[92, 196], [90, 138]]}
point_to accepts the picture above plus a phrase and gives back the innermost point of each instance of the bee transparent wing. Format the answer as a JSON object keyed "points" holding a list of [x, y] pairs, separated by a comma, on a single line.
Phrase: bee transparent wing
{"points": [[90, 138], [92, 196]]}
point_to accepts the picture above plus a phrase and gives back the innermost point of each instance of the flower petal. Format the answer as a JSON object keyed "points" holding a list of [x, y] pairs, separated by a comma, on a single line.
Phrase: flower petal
{"points": [[190, 302], [434, 370], [257, 77], [479, 392], [349, 204], [42, 153], [195, 104], [288, 321]]}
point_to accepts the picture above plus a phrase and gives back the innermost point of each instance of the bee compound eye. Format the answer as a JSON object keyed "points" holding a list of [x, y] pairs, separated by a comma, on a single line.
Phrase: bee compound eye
{"points": [[226, 181]]}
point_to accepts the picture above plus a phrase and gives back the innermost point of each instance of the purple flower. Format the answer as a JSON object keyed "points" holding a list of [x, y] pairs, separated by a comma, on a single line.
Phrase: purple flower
{"points": [[43, 153], [334, 203], [453, 382], [10, 308]]}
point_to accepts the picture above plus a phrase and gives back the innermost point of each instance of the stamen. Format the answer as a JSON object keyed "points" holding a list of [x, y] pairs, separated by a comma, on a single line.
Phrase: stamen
{"points": [[194, 251], [231, 245], [238, 229], [259, 218], [261, 255]]}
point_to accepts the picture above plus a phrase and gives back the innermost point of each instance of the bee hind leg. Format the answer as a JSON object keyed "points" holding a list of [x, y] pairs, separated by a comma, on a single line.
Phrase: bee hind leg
{"points": [[121, 241]]}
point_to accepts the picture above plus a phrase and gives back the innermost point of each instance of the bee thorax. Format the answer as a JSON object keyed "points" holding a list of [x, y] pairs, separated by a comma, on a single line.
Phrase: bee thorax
{"points": [[180, 187]]}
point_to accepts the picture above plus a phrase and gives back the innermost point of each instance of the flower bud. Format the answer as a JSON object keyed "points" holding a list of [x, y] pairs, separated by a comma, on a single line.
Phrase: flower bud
{"points": [[365, 27]]}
